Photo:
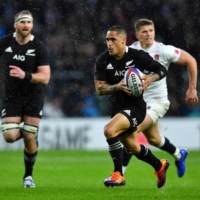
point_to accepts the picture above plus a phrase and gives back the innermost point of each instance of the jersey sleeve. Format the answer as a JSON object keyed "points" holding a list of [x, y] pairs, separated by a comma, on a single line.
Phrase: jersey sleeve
{"points": [[148, 63], [171, 53], [100, 69], [143, 59], [43, 57]]}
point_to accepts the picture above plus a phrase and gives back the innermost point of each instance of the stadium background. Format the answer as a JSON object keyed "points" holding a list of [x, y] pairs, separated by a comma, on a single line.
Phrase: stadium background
{"points": [[74, 33]]}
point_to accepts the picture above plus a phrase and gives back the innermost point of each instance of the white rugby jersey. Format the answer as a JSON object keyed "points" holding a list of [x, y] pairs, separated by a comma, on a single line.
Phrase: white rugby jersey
{"points": [[164, 54]]}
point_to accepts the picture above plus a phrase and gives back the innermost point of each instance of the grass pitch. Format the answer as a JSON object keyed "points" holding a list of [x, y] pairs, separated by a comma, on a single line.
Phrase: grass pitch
{"points": [[79, 175]]}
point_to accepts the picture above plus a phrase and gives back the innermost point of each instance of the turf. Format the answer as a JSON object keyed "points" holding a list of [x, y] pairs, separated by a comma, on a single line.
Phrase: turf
{"points": [[79, 175]]}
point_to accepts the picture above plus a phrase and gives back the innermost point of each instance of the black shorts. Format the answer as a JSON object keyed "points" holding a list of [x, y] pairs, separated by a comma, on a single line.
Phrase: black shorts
{"points": [[135, 115], [19, 106]]}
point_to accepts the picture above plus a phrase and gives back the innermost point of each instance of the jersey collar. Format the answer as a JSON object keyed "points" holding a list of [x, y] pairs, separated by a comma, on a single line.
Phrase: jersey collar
{"points": [[148, 49]]}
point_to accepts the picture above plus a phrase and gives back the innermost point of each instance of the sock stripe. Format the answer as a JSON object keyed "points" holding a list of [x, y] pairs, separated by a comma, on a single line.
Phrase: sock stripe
{"points": [[146, 151], [162, 141], [30, 157], [115, 146]]}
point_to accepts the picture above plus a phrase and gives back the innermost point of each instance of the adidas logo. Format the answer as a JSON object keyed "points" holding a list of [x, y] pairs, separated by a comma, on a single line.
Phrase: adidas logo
{"points": [[128, 112], [134, 122], [8, 49], [3, 112], [30, 52], [109, 66], [40, 113]]}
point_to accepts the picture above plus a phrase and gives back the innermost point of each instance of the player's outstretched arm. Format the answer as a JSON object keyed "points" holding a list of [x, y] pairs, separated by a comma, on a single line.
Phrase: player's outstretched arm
{"points": [[188, 60]]}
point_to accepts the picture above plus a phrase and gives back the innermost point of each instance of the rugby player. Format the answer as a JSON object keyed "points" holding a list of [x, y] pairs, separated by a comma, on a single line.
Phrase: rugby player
{"points": [[127, 111], [156, 95], [27, 71]]}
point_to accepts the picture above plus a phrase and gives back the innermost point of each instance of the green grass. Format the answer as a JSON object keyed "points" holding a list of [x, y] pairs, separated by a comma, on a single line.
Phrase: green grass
{"points": [[79, 175]]}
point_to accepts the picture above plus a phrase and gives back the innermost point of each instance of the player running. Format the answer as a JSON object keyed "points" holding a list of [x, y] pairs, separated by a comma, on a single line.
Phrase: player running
{"points": [[156, 95], [27, 71], [127, 111]]}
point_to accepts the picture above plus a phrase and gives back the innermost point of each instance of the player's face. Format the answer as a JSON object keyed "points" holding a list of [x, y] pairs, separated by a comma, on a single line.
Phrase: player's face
{"points": [[116, 44], [24, 27], [146, 35]]}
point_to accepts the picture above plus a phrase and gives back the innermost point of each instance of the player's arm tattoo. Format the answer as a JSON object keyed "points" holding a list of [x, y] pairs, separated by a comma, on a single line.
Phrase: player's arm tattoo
{"points": [[107, 89], [103, 88]]}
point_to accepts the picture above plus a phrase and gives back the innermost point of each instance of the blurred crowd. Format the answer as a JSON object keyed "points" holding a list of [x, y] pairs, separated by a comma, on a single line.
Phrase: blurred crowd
{"points": [[74, 34]]}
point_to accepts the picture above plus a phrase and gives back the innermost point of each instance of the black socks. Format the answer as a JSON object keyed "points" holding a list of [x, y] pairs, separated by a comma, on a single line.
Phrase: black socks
{"points": [[170, 148], [115, 149], [126, 157], [147, 156], [29, 161]]}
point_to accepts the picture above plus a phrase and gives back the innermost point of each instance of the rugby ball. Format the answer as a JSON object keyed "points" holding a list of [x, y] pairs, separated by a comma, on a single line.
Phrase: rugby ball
{"points": [[133, 81]]}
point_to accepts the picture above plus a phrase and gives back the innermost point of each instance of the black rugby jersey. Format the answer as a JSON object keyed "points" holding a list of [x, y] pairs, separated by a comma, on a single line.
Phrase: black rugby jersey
{"points": [[108, 69], [27, 57]]}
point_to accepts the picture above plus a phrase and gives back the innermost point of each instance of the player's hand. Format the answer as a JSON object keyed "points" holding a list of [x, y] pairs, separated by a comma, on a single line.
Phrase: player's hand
{"points": [[191, 97], [147, 80], [122, 86], [16, 72]]}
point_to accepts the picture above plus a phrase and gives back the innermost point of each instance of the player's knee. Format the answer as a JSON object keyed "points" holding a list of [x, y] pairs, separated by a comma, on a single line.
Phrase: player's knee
{"points": [[10, 131], [29, 137], [8, 137], [108, 131]]}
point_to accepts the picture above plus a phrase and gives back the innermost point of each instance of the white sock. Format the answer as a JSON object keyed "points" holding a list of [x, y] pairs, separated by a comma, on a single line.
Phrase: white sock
{"points": [[124, 169], [162, 141], [177, 154]]}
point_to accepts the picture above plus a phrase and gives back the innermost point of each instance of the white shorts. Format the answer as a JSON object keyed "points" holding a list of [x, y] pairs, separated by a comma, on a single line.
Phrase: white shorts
{"points": [[157, 110]]}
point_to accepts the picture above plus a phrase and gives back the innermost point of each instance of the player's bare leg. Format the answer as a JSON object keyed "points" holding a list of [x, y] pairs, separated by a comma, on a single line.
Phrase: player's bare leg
{"points": [[11, 133], [143, 153], [129, 140], [126, 157], [30, 148], [111, 131], [154, 138]]}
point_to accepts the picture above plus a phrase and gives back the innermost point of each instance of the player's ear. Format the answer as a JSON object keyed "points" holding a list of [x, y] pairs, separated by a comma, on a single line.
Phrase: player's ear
{"points": [[124, 40], [136, 35]]}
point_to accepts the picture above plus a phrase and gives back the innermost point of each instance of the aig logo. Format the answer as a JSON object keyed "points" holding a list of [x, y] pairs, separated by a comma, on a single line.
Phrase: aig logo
{"points": [[120, 73], [19, 57]]}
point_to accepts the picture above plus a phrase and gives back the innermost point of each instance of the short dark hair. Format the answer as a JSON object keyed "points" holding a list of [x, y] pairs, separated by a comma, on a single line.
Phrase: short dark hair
{"points": [[142, 22], [119, 29], [24, 12]]}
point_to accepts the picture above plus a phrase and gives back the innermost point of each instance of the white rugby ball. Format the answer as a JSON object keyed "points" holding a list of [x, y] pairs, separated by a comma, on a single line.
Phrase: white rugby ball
{"points": [[133, 81]]}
